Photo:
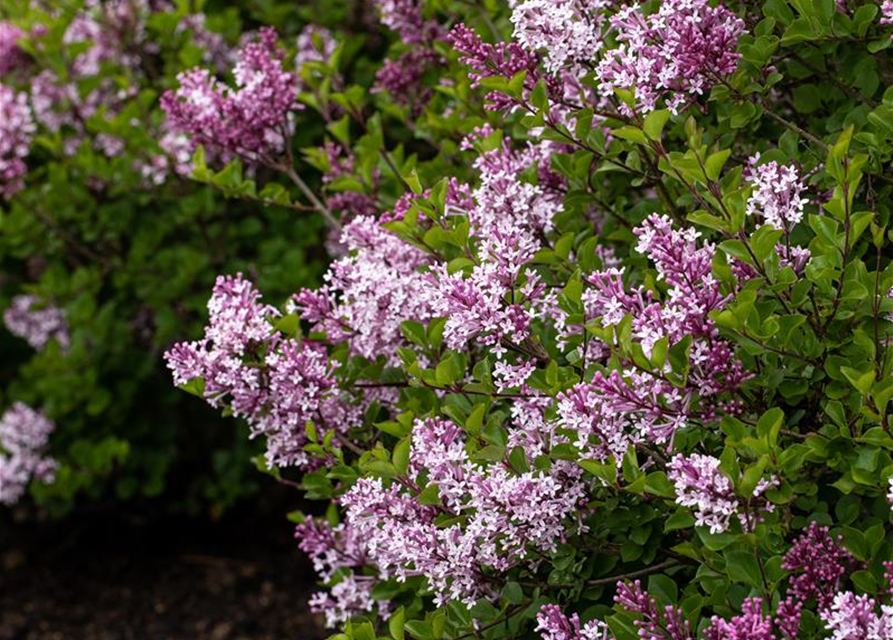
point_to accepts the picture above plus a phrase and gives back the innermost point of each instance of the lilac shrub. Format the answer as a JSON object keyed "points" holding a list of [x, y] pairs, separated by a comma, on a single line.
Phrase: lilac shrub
{"points": [[602, 351]]}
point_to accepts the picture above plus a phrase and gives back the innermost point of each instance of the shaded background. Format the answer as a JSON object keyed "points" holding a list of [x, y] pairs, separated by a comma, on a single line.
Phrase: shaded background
{"points": [[106, 574]]}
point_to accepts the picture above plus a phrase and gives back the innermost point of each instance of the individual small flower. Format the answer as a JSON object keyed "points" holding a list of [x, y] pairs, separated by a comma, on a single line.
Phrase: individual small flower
{"points": [[890, 490], [24, 436], [675, 53], [16, 131], [777, 194], [251, 120], [702, 485], [852, 617], [819, 563]]}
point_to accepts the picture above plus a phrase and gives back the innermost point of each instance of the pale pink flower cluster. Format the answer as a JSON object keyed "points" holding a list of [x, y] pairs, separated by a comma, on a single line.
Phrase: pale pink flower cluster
{"points": [[277, 384], [777, 195], [315, 44], [619, 409], [11, 54], [852, 617], [568, 33], [33, 319], [887, 12], [552, 624], [505, 516], [16, 132], [369, 293], [338, 556], [674, 54], [24, 436], [497, 302], [702, 485]]}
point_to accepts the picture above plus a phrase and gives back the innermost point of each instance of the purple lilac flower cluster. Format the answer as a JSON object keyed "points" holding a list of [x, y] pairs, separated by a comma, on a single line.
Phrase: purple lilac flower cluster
{"points": [[11, 54], [16, 131], [497, 302], [567, 32], [652, 622], [368, 293], [819, 563], [702, 485], [620, 409], [887, 12], [277, 384], [338, 555], [777, 194], [31, 318], [505, 515], [753, 624], [675, 54], [552, 624], [401, 77], [251, 120], [852, 617], [24, 436]]}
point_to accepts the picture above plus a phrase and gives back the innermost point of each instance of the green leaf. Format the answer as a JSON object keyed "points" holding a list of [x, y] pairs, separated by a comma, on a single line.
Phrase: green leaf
{"points": [[743, 567], [654, 123], [396, 623]]}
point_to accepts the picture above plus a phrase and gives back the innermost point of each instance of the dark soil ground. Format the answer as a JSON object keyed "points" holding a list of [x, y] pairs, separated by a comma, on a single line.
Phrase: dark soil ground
{"points": [[116, 577]]}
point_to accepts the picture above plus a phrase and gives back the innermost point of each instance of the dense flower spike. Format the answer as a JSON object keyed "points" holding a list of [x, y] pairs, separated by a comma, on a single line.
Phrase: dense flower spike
{"points": [[16, 131], [24, 435], [332, 551], [568, 32], [777, 194], [752, 624], [11, 55], [675, 53], [700, 484], [31, 318], [820, 563], [276, 385], [251, 120], [653, 624], [852, 617], [506, 516], [552, 624], [368, 293]]}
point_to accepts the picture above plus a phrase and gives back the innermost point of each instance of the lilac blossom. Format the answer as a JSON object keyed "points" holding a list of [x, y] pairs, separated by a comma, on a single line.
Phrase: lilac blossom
{"points": [[752, 624], [24, 436], [675, 53], [819, 563], [278, 385], [653, 624], [568, 32], [315, 44], [777, 194], [334, 550], [552, 624], [215, 49], [505, 515], [251, 120], [503, 59], [498, 301], [618, 409], [405, 17], [11, 54], [852, 617], [401, 77], [886, 12], [369, 293], [700, 484], [16, 131], [37, 322]]}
